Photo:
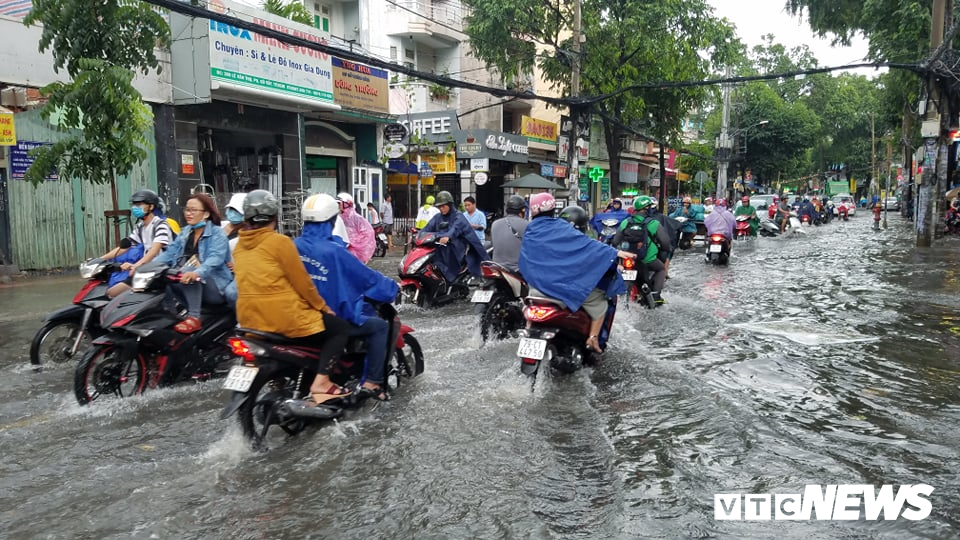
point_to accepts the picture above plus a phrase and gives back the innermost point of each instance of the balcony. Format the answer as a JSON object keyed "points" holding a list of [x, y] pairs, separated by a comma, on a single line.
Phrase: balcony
{"points": [[433, 23]]}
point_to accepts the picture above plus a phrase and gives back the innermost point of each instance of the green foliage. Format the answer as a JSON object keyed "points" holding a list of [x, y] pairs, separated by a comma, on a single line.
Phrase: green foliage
{"points": [[100, 44], [293, 10]]}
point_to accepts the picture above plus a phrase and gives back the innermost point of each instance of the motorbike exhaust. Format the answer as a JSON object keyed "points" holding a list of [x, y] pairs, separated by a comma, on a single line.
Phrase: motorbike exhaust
{"points": [[299, 409]]}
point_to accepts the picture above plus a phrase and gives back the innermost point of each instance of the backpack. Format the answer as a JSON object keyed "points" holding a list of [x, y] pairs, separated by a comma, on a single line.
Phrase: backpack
{"points": [[644, 245]]}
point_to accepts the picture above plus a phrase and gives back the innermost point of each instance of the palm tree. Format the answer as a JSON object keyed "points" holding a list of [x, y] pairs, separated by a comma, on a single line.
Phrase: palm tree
{"points": [[293, 10]]}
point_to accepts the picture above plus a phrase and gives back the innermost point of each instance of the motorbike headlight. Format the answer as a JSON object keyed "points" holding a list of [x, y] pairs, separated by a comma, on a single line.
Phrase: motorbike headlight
{"points": [[416, 265], [610, 222], [141, 280], [91, 268]]}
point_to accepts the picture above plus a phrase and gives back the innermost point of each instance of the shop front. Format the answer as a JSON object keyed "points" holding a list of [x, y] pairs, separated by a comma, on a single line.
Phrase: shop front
{"points": [[500, 153], [422, 159]]}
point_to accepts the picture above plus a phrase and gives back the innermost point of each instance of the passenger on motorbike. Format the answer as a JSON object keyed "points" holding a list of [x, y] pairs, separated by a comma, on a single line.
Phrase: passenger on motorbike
{"points": [[707, 206], [576, 216], [363, 242], [671, 227], [559, 262], [745, 209], [234, 215], [720, 221], [204, 251], [149, 238], [456, 233], [426, 212], [276, 294], [772, 210], [644, 236], [345, 284], [507, 232]]}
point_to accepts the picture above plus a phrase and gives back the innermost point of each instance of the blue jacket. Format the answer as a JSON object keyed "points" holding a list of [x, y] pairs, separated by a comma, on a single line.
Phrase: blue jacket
{"points": [[563, 263], [595, 221], [341, 279], [213, 249], [463, 240], [694, 214]]}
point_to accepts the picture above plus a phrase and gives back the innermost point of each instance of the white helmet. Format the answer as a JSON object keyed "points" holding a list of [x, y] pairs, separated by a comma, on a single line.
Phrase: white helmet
{"points": [[319, 208], [236, 202], [346, 199]]}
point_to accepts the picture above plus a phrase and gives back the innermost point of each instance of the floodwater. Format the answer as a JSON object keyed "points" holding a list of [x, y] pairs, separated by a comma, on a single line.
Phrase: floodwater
{"points": [[830, 358]]}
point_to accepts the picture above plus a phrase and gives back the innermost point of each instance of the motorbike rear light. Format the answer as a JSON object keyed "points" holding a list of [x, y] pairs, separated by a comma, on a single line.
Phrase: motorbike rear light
{"points": [[716, 238], [628, 264], [86, 290], [539, 313], [529, 361], [124, 321], [490, 272], [241, 348]]}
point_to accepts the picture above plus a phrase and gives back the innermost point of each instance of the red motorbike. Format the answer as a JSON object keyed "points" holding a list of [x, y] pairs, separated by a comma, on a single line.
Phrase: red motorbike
{"points": [[742, 229], [422, 282]]}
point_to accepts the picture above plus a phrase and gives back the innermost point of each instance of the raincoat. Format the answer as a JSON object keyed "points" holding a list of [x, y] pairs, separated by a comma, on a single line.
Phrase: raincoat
{"points": [[597, 219], [749, 211], [463, 243], [720, 221], [424, 215], [342, 280], [562, 263], [693, 214], [360, 233]]}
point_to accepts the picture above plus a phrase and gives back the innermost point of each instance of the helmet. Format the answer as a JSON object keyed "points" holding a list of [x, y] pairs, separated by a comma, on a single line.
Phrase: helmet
{"points": [[145, 196], [745, 200], [430, 199], [444, 197], [776, 198], [319, 208], [576, 216], [260, 206], [708, 200], [687, 200], [642, 202], [515, 204], [346, 199], [236, 202], [721, 202], [542, 203]]}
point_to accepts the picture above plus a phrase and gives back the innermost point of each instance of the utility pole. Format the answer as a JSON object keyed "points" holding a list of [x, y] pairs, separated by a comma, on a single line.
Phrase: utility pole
{"points": [[874, 185], [928, 193], [572, 150], [723, 142], [889, 173]]}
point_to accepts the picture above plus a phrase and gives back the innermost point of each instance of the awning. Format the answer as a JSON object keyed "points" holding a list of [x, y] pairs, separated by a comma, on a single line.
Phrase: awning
{"points": [[402, 166]]}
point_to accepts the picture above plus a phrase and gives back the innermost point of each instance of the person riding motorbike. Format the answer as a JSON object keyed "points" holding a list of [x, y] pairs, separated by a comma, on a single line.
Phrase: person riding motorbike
{"points": [[507, 232], [276, 294], [614, 210], [426, 213], [720, 221], [577, 217], [560, 262], [807, 209], [234, 215], [363, 242], [456, 233], [745, 209], [644, 232], [692, 213], [149, 238], [783, 213], [707, 206], [671, 227], [345, 284]]}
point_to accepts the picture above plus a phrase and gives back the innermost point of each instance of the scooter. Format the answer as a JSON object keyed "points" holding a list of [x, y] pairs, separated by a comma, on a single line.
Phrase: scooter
{"points": [[273, 377], [768, 228], [741, 231], [381, 238], [638, 290], [718, 249], [608, 230], [142, 350], [499, 300], [71, 329], [422, 282]]}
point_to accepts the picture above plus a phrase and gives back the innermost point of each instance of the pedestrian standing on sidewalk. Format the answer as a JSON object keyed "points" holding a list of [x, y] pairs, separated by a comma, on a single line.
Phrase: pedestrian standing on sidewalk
{"points": [[386, 217], [476, 218], [373, 217]]}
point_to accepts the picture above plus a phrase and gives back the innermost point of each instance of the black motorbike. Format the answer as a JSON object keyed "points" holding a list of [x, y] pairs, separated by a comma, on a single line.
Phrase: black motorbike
{"points": [[141, 349], [718, 249], [269, 386], [499, 301], [608, 229], [381, 238]]}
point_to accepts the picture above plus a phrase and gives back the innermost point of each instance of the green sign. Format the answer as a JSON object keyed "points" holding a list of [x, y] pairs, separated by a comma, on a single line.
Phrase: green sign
{"points": [[596, 174], [584, 184]]}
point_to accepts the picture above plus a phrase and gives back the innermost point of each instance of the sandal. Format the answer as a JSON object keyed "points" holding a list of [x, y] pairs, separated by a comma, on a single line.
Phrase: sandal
{"points": [[334, 392], [379, 393], [188, 325], [593, 343]]}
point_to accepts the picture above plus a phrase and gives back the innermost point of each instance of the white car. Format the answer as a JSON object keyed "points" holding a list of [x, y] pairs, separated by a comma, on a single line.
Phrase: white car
{"points": [[846, 200]]}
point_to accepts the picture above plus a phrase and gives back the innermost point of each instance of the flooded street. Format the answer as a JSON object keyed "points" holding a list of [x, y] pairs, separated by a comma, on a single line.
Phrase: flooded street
{"points": [[829, 358]]}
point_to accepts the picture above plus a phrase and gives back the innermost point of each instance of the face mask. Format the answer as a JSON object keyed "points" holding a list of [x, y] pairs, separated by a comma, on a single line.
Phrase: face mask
{"points": [[138, 212], [200, 225], [234, 216]]}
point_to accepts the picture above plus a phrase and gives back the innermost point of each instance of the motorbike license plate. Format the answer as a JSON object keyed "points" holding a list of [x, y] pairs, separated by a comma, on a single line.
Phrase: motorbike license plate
{"points": [[716, 248], [481, 297], [532, 348], [629, 275], [382, 237], [240, 378]]}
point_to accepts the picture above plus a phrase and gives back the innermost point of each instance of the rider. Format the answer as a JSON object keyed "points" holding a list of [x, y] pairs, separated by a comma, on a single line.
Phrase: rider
{"points": [[345, 284], [150, 237], [707, 206], [362, 239], [672, 228], [745, 209], [560, 262], [455, 232], [614, 211], [783, 213], [772, 210], [692, 214], [720, 220], [234, 217], [577, 217], [507, 232], [807, 209], [643, 229], [426, 213], [277, 296]]}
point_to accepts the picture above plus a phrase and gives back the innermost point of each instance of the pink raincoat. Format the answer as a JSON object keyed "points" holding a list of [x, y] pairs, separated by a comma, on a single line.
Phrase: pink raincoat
{"points": [[362, 241]]}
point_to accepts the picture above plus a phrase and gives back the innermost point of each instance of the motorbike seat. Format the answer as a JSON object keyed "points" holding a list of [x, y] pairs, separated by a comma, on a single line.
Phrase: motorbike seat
{"points": [[543, 300], [269, 336]]}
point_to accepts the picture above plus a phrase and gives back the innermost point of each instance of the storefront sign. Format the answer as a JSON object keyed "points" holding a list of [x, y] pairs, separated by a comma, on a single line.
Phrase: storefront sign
{"points": [[480, 178], [469, 149], [394, 132], [20, 160], [359, 86], [8, 132], [186, 164], [561, 171], [579, 133], [552, 170], [245, 58], [538, 130], [584, 186], [439, 126], [441, 163], [629, 171], [495, 145], [480, 165], [503, 143]]}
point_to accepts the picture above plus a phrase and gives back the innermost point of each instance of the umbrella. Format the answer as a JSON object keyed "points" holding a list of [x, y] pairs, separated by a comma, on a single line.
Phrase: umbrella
{"points": [[953, 193], [532, 181]]}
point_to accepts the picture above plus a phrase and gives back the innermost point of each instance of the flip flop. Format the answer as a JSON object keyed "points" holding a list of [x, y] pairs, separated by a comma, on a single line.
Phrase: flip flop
{"points": [[334, 392]]}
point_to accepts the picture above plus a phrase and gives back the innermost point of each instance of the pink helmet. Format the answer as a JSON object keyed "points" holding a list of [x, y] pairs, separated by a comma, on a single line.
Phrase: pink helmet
{"points": [[542, 202], [721, 202]]}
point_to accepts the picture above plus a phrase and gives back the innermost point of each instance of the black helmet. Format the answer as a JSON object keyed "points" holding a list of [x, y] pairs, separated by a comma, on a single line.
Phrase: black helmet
{"points": [[145, 196], [444, 197], [576, 216], [515, 204], [260, 206]]}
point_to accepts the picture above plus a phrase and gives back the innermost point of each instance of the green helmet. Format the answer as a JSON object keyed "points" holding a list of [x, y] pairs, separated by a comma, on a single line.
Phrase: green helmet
{"points": [[444, 197], [642, 202]]}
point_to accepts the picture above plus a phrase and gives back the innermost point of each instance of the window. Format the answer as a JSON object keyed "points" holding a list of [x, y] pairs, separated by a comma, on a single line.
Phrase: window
{"points": [[393, 53], [409, 54]]}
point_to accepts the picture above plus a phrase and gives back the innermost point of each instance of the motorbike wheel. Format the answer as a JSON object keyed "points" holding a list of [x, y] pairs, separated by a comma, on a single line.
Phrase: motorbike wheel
{"points": [[500, 319], [52, 343], [262, 409], [409, 359], [105, 370], [381, 250]]}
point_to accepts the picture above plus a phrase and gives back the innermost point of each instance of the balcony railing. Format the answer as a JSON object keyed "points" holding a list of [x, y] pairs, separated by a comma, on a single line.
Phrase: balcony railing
{"points": [[445, 13]]}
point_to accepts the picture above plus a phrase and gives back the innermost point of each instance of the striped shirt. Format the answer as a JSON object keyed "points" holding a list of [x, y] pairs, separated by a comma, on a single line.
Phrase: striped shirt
{"points": [[147, 235]]}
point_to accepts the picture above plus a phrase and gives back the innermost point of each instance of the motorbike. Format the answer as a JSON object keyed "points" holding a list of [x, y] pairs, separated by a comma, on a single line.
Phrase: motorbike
{"points": [[381, 237], [741, 230], [769, 228], [718, 249], [637, 290], [608, 230], [499, 300], [141, 349], [422, 282], [558, 336], [686, 238], [274, 376], [71, 329]]}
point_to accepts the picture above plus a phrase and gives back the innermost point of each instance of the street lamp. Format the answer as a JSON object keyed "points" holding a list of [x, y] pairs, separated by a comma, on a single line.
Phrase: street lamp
{"points": [[724, 148]]}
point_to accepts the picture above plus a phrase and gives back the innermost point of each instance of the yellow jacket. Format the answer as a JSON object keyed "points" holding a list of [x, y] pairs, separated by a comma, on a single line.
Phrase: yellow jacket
{"points": [[275, 293]]}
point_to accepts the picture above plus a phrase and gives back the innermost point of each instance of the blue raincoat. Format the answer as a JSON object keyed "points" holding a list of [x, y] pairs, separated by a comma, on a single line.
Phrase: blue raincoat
{"points": [[132, 255], [563, 263], [596, 220], [693, 215], [341, 279], [463, 240]]}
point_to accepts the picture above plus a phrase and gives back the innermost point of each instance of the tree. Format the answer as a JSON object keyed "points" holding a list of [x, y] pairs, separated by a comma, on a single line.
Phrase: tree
{"points": [[293, 10], [99, 44], [627, 42]]}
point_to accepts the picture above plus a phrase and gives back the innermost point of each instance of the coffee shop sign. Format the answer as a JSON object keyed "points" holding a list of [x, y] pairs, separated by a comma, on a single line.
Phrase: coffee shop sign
{"points": [[505, 145]]}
